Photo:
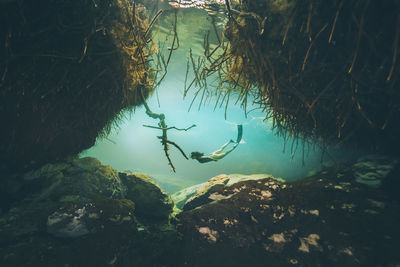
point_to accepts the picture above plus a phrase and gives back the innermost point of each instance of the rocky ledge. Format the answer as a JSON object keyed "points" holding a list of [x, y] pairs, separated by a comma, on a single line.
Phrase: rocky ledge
{"points": [[341, 216], [79, 212]]}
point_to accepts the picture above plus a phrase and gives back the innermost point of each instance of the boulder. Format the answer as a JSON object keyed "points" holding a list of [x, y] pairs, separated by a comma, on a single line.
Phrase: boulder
{"points": [[152, 203], [75, 179], [328, 219], [371, 170], [81, 207], [206, 192], [182, 196]]}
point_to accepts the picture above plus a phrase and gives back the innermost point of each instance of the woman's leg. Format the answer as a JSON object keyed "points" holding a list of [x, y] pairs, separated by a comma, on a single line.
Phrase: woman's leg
{"points": [[220, 155], [222, 148]]}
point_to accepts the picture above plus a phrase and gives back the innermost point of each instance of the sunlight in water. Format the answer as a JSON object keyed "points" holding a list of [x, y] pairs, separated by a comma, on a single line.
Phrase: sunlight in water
{"points": [[137, 148]]}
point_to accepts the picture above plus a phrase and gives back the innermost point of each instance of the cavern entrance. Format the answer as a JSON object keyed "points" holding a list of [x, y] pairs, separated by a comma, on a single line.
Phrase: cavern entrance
{"points": [[131, 146]]}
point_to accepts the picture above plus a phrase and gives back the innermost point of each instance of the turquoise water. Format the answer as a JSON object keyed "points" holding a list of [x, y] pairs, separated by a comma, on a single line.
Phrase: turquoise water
{"points": [[137, 148]]}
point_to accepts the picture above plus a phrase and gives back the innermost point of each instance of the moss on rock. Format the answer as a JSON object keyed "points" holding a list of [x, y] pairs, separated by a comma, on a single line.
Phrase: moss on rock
{"points": [[78, 212], [150, 199], [328, 219]]}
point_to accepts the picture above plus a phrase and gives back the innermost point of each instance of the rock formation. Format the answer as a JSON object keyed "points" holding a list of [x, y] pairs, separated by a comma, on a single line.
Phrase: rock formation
{"points": [[80, 212], [333, 218]]}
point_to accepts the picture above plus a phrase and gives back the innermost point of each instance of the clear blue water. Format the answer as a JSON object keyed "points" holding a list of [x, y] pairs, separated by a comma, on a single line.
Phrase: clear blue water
{"points": [[136, 148]]}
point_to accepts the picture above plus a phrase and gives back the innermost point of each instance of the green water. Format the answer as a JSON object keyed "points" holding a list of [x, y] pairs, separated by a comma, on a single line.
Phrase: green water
{"points": [[136, 148]]}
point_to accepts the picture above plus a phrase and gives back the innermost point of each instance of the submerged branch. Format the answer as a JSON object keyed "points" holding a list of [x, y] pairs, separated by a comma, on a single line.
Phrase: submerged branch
{"points": [[164, 137]]}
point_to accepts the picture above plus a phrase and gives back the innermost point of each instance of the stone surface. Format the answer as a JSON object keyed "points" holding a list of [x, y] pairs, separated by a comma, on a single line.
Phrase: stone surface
{"points": [[80, 177], [329, 219], [150, 199], [71, 224], [372, 169], [205, 192], [79, 212], [183, 195]]}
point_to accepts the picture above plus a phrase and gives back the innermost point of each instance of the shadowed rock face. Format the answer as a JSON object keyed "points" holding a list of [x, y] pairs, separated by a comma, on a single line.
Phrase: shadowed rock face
{"points": [[80, 207], [205, 193], [79, 212], [329, 219], [151, 200]]}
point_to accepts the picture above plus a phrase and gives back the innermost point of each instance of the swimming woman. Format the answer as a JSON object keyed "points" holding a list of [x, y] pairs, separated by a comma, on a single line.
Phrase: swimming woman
{"points": [[219, 154]]}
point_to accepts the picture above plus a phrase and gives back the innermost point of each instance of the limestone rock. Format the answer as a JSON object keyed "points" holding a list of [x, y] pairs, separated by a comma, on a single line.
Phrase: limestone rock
{"points": [[329, 219], [202, 194], [150, 199], [182, 196], [372, 170], [47, 170], [236, 178], [64, 194], [63, 224], [81, 205], [205, 193], [79, 177]]}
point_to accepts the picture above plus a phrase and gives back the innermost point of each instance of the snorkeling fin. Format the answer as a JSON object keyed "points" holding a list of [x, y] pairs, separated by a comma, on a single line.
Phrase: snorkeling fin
{"points": [[240, 133]]}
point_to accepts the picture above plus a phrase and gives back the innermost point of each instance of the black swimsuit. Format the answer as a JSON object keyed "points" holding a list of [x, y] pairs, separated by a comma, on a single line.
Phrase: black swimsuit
{"points": [[205, 159]]}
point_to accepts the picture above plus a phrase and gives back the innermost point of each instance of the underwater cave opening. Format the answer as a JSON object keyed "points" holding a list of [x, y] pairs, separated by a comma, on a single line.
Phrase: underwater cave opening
{"points": [[130, 146], [193, 74]]}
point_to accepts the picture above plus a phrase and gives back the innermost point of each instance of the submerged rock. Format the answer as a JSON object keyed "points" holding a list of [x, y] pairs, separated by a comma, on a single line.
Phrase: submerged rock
{"points": [[81, 205], [206, 192], [77, 177], [182, 196], [63, 224], [329, 219], [150, 199], [373, 169], [121, 219]]}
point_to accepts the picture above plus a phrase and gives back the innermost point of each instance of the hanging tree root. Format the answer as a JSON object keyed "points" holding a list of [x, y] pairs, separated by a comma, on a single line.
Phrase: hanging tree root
{"points": [[164, 138], [162, 65], [315, 71]]}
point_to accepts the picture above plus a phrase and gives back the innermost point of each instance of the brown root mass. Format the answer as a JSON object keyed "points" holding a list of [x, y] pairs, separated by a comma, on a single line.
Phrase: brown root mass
{"points": [[67, 69], [319, 69]]}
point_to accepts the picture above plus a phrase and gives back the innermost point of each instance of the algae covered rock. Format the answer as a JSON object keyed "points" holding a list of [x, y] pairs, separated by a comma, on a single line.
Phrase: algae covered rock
{"points": [[81, 207], [371, 170], [328, 219], [68, 194], [207, 192], [76, 178], [150, 199], [202, 194], [77, 220], [182, 196]]}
